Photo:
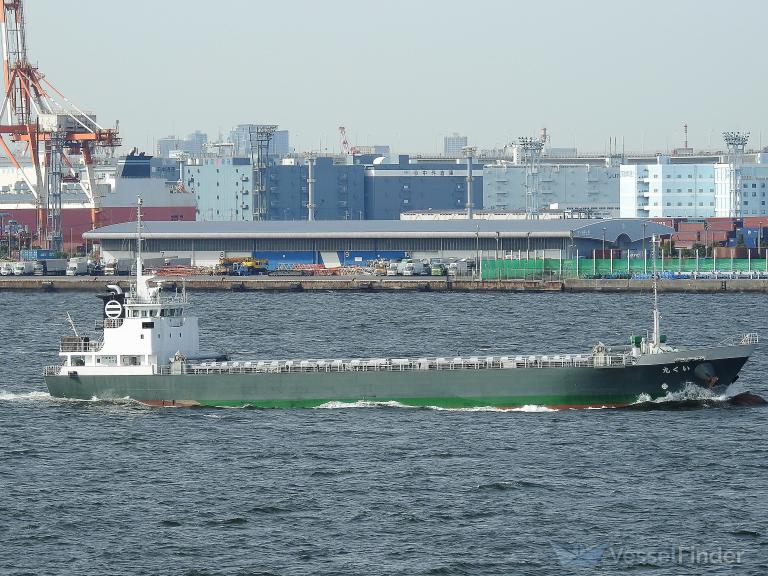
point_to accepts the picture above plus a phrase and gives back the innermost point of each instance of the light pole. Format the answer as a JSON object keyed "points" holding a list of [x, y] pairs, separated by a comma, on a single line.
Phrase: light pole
{"points": [[645, 258], [528, 249], [3, 215], [477, 250], [469, 152], [603, 242], [706, 238]]}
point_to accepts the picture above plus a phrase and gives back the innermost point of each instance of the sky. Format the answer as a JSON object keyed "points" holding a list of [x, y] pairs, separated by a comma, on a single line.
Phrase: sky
{"points": [[408, 72]]}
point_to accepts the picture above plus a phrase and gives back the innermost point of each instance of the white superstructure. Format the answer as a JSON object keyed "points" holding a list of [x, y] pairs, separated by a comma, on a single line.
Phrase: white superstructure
{"points": [[144, 331]]}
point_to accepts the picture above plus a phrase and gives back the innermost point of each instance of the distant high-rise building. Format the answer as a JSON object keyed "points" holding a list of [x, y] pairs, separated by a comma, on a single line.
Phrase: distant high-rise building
{"points": [[194, 145], [167, 145], [453, 144], [280, 144], [241, 138]]}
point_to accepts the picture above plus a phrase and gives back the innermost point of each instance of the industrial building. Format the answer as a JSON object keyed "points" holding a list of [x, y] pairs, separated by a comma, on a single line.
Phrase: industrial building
{"points": [[351, 241], [665, 190], [339, 190], [730, 185], [223, 184], [591, 186], [412, 184]]}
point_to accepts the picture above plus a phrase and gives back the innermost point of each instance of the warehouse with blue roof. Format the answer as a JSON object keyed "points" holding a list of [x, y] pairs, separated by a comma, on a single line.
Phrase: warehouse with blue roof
{"points": [[344, 242]]}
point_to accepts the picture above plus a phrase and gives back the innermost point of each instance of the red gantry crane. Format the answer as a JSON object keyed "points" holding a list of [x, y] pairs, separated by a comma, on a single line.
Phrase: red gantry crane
{"points": [[40, 121]]}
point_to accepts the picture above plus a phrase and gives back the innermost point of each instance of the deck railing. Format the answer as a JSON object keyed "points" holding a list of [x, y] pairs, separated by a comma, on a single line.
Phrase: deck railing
{"points": [[741, 339], [402, 364], [80, 346]]}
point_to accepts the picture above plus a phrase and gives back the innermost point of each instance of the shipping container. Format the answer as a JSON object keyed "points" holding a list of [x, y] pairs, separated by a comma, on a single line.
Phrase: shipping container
{"points": [[690, 226], [730, 252], [671, 222], [35, 254], [722, 226], [755, 221]]}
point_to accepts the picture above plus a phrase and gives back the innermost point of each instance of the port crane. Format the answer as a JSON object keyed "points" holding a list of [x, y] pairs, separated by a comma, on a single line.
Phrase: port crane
{"points": [[346, 149], [37, 119]]}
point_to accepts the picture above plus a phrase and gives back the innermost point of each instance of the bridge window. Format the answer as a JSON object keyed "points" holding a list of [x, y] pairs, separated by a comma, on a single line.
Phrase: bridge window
{"points": [[130, 360], [106, 360]]}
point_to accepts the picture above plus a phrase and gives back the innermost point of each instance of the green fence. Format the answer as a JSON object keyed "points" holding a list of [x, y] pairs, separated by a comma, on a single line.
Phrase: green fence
{"points": [[584, 268]]}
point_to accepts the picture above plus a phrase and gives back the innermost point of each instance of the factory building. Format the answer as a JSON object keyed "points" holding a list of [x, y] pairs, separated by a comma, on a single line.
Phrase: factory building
{"points": [[338, 191], [693, 190], [417, 185], [592, 186], [222, 186], [334, 242]]}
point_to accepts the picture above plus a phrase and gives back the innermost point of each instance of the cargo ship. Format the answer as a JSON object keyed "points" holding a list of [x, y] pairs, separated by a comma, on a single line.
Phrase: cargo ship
{"points": [[150, 352], [117, 182]]}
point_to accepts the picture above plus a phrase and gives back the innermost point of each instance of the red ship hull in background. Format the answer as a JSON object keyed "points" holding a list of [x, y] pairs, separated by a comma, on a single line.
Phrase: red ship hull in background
{"points": [[118, 186]]}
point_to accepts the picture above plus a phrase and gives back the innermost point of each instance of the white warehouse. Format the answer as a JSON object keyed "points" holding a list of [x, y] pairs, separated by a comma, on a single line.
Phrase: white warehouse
{"points": [[701, 190]]}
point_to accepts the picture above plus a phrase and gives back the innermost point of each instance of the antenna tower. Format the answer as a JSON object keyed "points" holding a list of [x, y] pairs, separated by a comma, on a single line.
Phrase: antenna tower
{"points": [[531, 148], [260, 136], [737, 144]]}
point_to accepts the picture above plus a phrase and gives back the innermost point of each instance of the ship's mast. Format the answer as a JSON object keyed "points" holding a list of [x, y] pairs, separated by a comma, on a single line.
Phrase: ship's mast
{"points": [[656, 315], [139, 271]]}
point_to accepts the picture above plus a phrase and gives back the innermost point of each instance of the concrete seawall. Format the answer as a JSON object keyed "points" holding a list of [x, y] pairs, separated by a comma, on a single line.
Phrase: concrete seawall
{"points": [[380, 284]]}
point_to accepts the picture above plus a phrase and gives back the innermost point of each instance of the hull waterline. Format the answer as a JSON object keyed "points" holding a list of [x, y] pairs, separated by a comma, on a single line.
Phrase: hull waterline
{"points": [[505, 388]]}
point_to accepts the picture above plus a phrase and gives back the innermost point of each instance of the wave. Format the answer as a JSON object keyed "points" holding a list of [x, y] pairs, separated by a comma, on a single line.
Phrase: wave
{"points": [[692, 396], [37, 396], [532, 408], [6, 396], [337, 405], [511, 485]]}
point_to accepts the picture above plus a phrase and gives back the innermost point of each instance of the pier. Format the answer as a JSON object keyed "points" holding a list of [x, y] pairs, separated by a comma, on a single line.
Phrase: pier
{"points": [[366, 283]]}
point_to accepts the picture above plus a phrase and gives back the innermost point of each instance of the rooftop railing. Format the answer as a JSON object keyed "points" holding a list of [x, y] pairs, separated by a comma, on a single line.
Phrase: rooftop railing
{"points": [[403, 364]]}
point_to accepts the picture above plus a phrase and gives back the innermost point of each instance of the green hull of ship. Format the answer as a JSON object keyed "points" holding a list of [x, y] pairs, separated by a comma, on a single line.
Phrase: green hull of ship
{"points": [[461, 388]]}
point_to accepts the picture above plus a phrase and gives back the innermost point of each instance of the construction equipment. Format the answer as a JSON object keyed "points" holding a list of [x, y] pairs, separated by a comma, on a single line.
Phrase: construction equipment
{"points": [[41, 121], [242, 266]]}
